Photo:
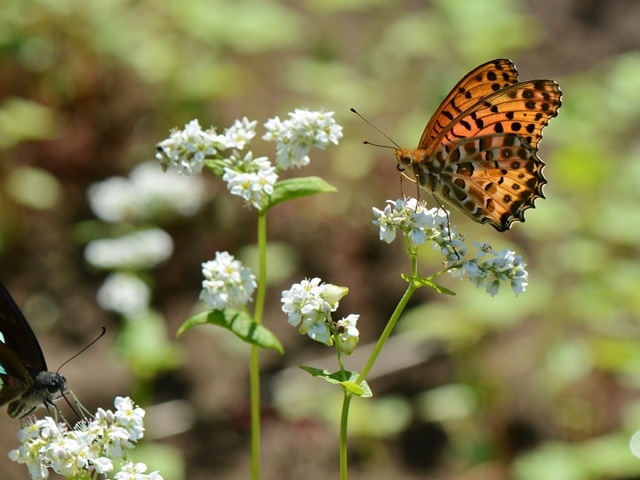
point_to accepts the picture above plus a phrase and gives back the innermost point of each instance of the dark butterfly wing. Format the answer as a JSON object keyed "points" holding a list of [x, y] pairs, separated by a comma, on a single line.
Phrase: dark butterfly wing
{"points": [[15, 380], [25, 383], [19, 340]]}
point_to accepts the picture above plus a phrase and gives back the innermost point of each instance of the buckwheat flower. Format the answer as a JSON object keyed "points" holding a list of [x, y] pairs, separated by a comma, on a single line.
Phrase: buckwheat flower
{"points": [[488, 269], [239, 135], [227, 283], [142, 249], [131, 471], [411, 217], [249, 178], [160, 193], [296, 135], [388, 221], [309, 305], [146, 194], [185, 150], [112, 199], [91, 447], [124, 293], [348, 334], [297, 297], [129, 416]]}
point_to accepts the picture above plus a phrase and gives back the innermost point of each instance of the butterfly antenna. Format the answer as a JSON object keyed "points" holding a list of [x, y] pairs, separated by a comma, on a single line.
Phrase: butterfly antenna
{"points": [[397, 147], [104, 330]]}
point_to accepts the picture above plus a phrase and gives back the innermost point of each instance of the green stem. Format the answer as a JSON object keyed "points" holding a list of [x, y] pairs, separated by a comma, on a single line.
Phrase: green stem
{"points": [[387, 331], [255, 412], [339, 355], [254, 373], [344, 421], [262, 267]]}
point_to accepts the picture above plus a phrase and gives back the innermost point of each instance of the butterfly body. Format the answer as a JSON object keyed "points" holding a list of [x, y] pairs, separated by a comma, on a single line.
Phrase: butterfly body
{"points": [[479, 150], [25, 382]]}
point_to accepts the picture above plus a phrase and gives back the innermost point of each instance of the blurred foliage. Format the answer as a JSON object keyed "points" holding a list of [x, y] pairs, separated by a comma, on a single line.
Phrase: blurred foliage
{"points": [[542, 386]]}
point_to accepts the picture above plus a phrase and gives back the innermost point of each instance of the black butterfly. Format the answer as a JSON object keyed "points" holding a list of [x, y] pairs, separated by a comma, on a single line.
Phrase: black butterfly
{"points": [[25, 383]]}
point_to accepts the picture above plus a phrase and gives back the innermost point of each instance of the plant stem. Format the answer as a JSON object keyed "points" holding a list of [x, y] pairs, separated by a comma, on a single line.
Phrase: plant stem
{"points": [[344, 421], [262, 267], [255, 359], [387, 331], [255, 412]]}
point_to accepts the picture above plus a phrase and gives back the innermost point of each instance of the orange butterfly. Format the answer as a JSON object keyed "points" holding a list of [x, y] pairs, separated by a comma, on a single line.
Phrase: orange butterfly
{"points": [[479, 150]]}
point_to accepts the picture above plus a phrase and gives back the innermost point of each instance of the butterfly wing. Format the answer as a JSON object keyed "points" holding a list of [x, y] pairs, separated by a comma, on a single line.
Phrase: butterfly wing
{"points": [[492, 179], [25, 383], [476, 85], [15, 380], [18, 336], [19, 351], [522, 109]]}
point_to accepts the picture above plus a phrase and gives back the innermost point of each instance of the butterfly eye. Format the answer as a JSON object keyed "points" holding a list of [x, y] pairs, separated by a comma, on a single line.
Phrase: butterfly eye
{"points": [[56, 385]]}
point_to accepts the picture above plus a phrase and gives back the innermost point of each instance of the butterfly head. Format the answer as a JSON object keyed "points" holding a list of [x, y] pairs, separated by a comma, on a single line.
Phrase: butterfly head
{"points": [[46, 389]]}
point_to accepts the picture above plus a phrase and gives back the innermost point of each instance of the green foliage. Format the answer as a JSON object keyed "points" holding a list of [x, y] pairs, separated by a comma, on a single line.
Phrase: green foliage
{"points": [[298, 187], [238, 323], [338, 378], [425, 282]]}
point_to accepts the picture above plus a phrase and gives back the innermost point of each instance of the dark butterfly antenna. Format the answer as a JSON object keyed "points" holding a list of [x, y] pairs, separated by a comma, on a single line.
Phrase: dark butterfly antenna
{"points": [[397, 147], [104, 330], [75, 399]]}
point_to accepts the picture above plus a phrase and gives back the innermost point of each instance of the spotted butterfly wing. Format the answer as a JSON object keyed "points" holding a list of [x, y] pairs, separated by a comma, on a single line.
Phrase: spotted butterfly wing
{"points": [[25, 382], [479, 150]]}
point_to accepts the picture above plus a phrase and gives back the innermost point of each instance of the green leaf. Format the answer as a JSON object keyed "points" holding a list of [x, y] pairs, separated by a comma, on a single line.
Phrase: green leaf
{"points": [[291, 188], [237, 322], [425, 282], [360, 390]]}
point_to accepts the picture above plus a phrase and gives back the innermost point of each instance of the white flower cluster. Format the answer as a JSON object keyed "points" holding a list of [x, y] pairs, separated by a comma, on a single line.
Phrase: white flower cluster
{"points": [[489, 272], [141, 249], [487, 269], [251, 178], [124, 293], [227, 283], [146, 194], [296, 135], [90, 448], [186, 150], [309, 305]]}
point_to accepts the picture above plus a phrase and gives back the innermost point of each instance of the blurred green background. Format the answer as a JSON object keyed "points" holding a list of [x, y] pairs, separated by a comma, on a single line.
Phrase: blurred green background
{"points": [[544, 386]]}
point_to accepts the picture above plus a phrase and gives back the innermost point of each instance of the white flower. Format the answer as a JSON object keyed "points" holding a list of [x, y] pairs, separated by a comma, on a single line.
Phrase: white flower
{"points": [[239, 135], [142, 249], [309, 305], [311, 299], [348, 333], [227, 283], [124, 293], [295, 136], [131, 471], [185, 150], [411, 217], [488, 269], [146, 194], [92, 446], [249, 178]]}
